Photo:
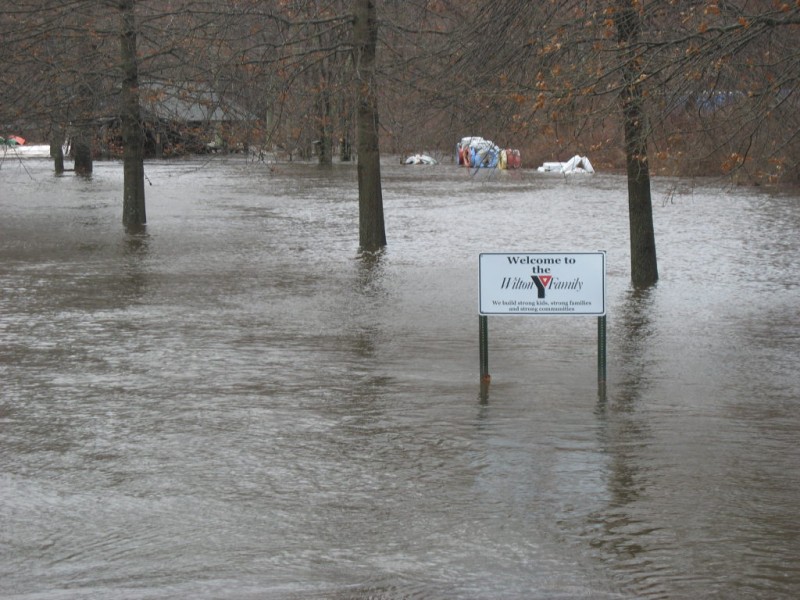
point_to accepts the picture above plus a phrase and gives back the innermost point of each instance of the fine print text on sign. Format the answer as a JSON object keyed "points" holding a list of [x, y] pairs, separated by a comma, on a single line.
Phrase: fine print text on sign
{"points": [[553, 283]]}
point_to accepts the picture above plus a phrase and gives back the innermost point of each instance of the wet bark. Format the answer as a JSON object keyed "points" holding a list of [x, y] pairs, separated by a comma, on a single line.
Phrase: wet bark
{"points": [[133, 206], [325, 113], [644, 267], [57, 153], [82, 153], [372, 235]]}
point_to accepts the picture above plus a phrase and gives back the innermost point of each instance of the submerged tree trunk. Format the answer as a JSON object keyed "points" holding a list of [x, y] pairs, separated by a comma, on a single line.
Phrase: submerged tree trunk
{"points": [[82, 152], [81, 147], [57, 151], [133, 208], [644, 267], [372, 235], [83, 129]]}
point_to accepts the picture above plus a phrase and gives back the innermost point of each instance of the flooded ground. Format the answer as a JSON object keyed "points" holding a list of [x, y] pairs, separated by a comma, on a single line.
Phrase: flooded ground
{"points": [[234, 404]]}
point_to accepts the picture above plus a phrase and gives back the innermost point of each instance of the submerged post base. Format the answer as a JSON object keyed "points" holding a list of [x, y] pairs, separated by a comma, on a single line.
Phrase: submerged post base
{"points": [[483, 342]]}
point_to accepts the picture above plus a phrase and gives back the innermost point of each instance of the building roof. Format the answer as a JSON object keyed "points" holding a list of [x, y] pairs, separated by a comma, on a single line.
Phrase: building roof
{"points": [[188, 103]]}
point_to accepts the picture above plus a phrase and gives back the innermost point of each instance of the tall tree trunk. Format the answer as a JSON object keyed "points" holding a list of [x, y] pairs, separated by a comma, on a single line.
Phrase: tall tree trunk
{"points": [[345, 132], [644, 267], [324, 116], [372, 235], [82, 133], [325, 142], [133, 209]]}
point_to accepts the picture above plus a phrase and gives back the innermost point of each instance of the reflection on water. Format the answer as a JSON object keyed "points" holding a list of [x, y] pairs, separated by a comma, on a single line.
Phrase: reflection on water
{"points": [[232, 402], [627, 542]]}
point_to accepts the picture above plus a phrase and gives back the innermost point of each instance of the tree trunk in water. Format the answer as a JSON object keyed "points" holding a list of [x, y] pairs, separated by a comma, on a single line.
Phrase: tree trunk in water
{"points": [[372, 235], [133, 208], [644, 267], [82, 153], [57, 153]]}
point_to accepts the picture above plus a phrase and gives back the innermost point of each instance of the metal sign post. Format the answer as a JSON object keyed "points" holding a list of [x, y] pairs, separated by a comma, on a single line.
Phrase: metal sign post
{"points": [[601, 350], [543, 284], [483, 338]]}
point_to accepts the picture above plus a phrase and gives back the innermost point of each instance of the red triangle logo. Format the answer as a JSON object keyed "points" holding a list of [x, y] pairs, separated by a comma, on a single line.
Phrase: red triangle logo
{"points": [[545, 279]]}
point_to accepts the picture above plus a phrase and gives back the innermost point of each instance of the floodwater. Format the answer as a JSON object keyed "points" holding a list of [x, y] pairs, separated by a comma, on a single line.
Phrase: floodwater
{"points": [[234, 404]]}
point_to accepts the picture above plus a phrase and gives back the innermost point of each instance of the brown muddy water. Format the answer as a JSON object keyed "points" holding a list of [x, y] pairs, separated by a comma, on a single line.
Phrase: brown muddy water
{"points": [[234, 404]]}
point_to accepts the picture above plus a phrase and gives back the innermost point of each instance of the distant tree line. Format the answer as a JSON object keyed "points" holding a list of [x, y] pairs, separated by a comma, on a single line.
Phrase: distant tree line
{"points": [[682, 87]]}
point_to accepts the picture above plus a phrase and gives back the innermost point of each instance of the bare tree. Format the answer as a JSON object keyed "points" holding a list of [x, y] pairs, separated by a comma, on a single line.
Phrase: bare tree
{"points": [[709, 86], [372, 235], [644, 267], [133, 206], [679, 86], [53, 72]]}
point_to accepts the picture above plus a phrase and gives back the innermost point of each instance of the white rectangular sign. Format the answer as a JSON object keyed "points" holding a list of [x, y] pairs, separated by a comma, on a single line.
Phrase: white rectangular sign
{"points": [[552, 283]]}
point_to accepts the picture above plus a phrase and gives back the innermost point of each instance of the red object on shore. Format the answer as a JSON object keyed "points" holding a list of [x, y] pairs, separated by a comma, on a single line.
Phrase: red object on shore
{"points": [[513, 158]]}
